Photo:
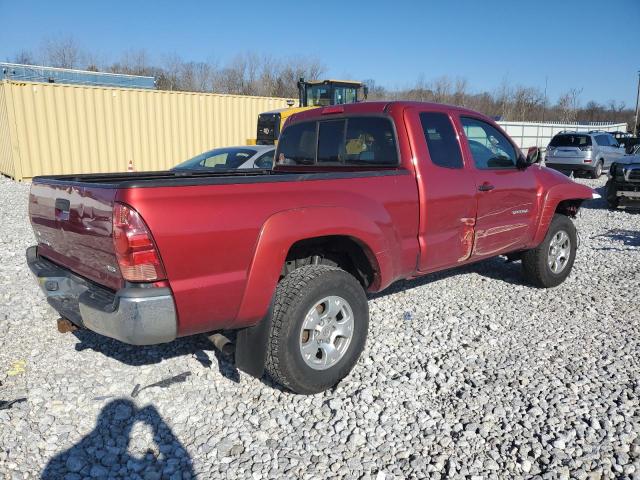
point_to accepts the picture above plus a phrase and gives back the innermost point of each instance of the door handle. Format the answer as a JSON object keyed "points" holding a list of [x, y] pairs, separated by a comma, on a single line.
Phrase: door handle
{"points": [[485, 187]]}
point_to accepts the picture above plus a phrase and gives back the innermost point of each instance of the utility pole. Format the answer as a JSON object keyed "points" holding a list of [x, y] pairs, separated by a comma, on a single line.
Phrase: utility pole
{"points": [[636, 127]]}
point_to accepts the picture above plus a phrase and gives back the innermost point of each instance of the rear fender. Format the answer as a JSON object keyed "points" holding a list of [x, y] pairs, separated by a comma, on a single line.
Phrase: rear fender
{"points": [[550, 201], [283, 229]]}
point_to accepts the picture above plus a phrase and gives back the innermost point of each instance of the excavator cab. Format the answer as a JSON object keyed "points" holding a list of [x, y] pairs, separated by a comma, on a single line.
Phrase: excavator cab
{"points": [[311, 94]]}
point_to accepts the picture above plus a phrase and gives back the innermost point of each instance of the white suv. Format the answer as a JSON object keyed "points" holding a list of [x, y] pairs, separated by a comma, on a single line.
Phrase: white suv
{"points": [[590, 152]]}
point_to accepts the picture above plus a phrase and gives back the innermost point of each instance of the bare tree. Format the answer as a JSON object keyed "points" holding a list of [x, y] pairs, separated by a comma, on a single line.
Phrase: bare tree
{"points": [[460, 92], [568, 105], [504, 97], [253, 74], [526, 100], [441, 88], [591, 112], [24, 57], [62, 52]]}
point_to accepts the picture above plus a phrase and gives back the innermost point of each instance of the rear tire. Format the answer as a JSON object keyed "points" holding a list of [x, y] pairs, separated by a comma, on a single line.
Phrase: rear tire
{"points": [[550, 263], [597, 170], [322, 311]]}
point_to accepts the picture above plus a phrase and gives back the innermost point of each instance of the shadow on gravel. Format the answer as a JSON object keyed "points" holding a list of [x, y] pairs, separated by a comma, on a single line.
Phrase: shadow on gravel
{"points": [[496, 268], [105, 451], [597, 203], [629, 238], [198, 345]]}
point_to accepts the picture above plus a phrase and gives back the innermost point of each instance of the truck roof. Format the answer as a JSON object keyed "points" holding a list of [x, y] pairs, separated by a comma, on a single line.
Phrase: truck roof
{"points": [[377, 107]]}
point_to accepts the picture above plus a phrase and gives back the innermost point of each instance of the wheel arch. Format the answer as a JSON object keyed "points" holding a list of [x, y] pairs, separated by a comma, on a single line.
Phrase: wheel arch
{"points": [[285, 232], [564, 198]]}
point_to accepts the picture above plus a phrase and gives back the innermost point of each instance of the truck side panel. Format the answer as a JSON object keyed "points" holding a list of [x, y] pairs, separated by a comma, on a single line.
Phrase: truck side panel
{"points": [[207, 237]]}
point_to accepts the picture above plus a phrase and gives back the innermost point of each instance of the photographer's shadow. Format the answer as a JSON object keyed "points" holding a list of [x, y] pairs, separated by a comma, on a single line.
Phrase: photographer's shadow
{"points": [[105, 451]]}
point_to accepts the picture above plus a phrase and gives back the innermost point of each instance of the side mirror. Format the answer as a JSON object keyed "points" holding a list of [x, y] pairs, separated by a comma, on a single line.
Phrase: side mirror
{"points": [[533, 156]]}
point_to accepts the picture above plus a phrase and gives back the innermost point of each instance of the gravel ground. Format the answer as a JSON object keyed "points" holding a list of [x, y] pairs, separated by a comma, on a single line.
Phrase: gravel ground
{"points": [[467, 374]]}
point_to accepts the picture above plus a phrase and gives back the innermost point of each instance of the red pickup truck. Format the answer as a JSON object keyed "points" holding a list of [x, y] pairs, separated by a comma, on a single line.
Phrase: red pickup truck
{"points": [[360, 196]]}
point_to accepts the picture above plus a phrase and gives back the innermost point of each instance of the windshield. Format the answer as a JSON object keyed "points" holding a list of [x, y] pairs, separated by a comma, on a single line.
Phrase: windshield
{"points": [[570, 141], [219, 158], [323, 95]]}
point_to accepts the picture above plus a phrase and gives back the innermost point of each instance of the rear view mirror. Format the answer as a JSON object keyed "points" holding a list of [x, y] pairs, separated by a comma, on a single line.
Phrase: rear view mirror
{"points": [[533, 155]]}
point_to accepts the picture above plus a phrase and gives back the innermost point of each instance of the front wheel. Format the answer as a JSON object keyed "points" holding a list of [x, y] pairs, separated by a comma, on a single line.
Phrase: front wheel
{"points": [[550, 263], [318, 329]]}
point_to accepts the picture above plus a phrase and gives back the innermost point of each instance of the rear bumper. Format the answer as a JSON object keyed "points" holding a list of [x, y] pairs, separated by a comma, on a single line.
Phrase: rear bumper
{"points": [[568, 167], [134, 315]]}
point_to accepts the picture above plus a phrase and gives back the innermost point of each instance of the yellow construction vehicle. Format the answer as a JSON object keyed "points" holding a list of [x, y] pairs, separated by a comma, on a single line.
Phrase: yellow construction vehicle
{"points": [[311, 94]]}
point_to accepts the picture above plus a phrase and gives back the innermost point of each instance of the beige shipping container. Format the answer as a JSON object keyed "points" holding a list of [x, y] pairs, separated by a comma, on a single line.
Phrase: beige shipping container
{"points": [[48, 129]]}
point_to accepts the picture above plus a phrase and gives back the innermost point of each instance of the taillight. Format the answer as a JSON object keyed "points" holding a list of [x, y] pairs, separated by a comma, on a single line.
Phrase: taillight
{"points": [[585, 148], [135, 249]]}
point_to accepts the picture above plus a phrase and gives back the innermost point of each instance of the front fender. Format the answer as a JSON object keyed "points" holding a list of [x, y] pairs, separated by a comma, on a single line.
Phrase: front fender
{"points": [[283, 229], [554, 195]]}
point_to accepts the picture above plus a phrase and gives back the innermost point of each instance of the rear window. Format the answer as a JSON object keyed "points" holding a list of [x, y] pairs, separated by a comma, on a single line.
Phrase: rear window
{"points": [[570, 140], [605, 140], [354, 141]]}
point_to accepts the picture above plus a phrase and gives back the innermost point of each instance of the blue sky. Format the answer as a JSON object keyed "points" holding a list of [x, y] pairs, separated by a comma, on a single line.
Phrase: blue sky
{"points": [[573, 43]]}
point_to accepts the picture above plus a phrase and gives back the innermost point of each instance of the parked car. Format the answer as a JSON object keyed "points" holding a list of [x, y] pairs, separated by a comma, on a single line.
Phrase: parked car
{"points": [[361, 196], [254, 156], [590, 152], [623, 186], [626, 140]]}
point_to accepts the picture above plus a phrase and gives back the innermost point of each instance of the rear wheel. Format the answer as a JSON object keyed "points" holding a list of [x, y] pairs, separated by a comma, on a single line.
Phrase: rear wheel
{"points": [[319, 328], [550, 263], [597, 170]]}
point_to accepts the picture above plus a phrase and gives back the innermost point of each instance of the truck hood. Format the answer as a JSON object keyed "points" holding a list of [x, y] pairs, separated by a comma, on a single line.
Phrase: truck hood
{"points": [[553, 179]]}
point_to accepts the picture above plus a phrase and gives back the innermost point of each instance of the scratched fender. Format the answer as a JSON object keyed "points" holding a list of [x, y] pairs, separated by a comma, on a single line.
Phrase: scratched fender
{"points": [[550, 201]]}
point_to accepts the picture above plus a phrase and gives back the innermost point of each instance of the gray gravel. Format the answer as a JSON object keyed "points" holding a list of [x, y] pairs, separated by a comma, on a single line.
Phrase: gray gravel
{"points": [[467, 374]]}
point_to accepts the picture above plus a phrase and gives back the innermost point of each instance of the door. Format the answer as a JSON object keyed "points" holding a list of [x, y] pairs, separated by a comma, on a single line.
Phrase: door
{"points": [[446, 187], [506, 194]]}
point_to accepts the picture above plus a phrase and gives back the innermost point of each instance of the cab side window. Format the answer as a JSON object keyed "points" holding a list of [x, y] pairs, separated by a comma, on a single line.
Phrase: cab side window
{"points": [[352, 141], [441, 138], [490, 149]]}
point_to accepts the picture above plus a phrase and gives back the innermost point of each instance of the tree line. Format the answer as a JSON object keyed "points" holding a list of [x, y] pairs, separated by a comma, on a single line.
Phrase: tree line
{"points": [[264, 75]]}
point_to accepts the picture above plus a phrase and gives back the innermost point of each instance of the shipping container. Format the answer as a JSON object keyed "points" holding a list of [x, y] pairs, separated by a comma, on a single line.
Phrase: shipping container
{"points": [[50, 128]]}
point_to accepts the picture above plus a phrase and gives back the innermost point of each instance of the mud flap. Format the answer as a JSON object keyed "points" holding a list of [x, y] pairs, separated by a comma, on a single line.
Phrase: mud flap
{"points": [[251, 346]]}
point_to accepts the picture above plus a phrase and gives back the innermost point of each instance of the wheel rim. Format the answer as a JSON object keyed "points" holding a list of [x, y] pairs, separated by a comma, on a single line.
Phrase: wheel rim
{"points": [[326, 332], [559, 252], [599, 169]]}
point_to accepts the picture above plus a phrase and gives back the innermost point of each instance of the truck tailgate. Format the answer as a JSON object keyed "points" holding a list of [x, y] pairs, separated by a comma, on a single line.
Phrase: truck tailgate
{"points": [[73, 227]]}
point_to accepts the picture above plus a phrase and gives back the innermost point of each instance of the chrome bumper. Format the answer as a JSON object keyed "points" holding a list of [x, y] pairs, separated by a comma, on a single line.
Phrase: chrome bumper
{"points": [[134, 315], [628, 194]]}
